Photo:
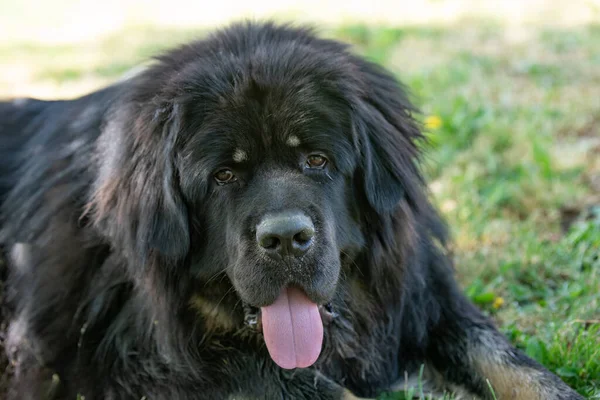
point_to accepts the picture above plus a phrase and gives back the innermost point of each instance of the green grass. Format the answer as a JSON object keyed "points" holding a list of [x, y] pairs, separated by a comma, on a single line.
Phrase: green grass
{"points": [[518, 143]]}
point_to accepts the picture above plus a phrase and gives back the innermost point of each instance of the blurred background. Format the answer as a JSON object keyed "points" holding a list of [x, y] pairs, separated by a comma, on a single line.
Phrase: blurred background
{"points": [[510, 99]]}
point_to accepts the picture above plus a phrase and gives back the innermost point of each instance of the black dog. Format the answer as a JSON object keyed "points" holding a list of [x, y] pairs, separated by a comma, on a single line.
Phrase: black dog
{"points": [[245, 219]]}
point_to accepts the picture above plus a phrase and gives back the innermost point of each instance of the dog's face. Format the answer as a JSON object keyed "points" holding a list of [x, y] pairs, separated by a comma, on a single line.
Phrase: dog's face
{"points": [[277, 165], [262, 154], [276, 162]]}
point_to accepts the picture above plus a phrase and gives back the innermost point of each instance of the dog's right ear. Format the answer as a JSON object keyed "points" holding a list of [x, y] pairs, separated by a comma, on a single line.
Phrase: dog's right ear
{"points": [[136, 201], [387, 135]]}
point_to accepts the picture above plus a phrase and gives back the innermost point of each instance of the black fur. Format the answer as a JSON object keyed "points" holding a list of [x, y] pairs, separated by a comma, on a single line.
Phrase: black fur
{"points": [[131, 271]]}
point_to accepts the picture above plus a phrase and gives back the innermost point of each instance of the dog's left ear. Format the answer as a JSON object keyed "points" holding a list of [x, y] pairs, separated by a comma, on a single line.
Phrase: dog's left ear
{"points": [[387, 136]]}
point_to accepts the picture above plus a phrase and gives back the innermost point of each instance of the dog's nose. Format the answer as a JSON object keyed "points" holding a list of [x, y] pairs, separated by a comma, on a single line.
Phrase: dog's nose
{"points": [[285, 234]]}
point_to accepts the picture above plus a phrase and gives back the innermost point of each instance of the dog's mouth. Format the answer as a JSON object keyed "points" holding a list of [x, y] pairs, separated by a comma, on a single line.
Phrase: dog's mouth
{"points": [[253, 320], [292, 327]]}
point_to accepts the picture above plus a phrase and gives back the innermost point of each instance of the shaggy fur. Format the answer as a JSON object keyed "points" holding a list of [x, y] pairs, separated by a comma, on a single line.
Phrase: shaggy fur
{"points": [[133, 274]]}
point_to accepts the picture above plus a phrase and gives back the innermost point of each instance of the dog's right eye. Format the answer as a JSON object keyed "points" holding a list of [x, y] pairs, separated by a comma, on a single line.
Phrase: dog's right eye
{"points": [[225, 176], [316, 161]]}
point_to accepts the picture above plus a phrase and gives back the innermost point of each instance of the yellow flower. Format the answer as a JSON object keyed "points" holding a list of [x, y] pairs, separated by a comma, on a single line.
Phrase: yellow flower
{"points": [[433, 122], [498, 302]]}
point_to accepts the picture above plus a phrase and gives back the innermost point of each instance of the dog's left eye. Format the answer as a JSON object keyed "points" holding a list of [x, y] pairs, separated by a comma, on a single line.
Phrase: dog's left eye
{"points": [[316, 161], [224, 176]]}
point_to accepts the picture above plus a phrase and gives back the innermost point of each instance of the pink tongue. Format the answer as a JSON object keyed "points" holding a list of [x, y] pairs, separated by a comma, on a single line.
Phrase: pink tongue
{"points": [[293, 329]]}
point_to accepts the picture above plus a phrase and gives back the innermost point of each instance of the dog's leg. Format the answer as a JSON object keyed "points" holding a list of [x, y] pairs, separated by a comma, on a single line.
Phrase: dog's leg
{"points": [[300, 384], [311, 384], [467, 351], [305, 384]]}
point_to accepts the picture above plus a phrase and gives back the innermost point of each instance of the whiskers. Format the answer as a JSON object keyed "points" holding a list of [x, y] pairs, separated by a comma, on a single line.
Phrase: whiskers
{"points": [[222, 274], [215, 308], [352, 262]]}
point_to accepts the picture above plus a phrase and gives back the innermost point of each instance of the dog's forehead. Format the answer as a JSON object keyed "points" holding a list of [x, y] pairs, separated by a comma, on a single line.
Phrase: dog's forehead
{"points": [[249, 146], [293, 141], [253, 122], [275, 134], [241, 154]]}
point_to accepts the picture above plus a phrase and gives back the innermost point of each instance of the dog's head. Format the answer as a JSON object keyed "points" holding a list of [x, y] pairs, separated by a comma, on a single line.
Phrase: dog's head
{"points": [[262, 154]]}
